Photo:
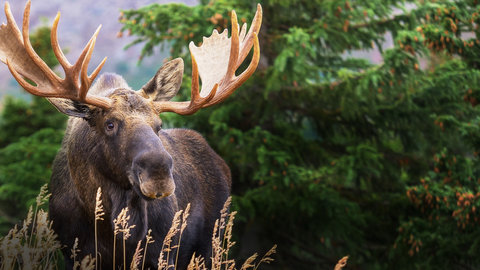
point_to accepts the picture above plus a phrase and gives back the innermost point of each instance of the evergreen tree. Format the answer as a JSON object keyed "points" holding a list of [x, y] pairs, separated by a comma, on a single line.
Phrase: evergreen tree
{"points": [[332, 154]]}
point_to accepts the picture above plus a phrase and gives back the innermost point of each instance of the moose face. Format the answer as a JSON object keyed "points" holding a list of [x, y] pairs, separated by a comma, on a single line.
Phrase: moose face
{"points": [[132, 147], [128, 131]]}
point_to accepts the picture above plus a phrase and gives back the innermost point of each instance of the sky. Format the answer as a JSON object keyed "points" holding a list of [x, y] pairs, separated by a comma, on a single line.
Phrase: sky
{"points": [[79, 20]]}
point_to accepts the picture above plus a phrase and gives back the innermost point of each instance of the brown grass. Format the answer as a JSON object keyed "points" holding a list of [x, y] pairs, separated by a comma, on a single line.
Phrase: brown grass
{"points": [[99, 213], [35, 245], [341, 263]]}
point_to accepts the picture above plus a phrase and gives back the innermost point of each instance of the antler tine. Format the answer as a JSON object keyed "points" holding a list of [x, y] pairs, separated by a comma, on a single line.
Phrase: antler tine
{"points": [[56, 47], [235, 44], [75, 70], [253, 65], [94, 74], [28, 46], [84, 68], [195, 81], [11, 21], [248, 39]]}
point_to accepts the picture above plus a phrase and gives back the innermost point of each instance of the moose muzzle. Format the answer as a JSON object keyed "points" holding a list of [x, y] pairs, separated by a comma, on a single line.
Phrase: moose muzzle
{"points": [[157, 189], [155, 180], [152, 167]]}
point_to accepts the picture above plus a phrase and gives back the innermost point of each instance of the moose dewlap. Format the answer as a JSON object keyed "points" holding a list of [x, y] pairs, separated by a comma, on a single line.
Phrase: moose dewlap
{"points": [[114, 140]]}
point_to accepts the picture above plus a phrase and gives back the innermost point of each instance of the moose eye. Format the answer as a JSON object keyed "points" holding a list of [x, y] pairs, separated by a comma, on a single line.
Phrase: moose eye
{"points": [[109, 125], [157, 127]]}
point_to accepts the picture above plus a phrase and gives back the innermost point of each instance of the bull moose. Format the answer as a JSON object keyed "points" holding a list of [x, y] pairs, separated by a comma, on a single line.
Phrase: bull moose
{"points": [[114, 140]]}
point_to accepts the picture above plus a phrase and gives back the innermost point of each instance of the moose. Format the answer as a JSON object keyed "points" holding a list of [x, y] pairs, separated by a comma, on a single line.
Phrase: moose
{"points": [[114, 140]]}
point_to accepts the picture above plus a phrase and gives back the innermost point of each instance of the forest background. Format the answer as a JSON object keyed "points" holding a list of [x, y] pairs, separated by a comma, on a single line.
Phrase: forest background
{"points": [[331, 153]]}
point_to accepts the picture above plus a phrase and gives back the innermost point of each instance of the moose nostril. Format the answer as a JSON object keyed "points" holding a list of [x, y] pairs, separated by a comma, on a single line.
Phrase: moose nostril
{"points": [[159, 195]]}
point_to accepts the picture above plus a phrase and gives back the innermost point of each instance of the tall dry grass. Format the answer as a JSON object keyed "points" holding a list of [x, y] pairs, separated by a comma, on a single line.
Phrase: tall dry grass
{"points": [[341, 263], [35, 245], [99, 213]]}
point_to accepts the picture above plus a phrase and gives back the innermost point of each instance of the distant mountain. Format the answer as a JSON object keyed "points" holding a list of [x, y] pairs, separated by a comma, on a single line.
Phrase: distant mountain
{"points": [[79, 19]]}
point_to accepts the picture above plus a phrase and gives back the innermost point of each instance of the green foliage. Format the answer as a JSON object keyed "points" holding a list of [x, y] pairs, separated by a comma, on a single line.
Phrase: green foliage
{"points": [[20, 118], [24, 167], [30, 136], [323, 146]]}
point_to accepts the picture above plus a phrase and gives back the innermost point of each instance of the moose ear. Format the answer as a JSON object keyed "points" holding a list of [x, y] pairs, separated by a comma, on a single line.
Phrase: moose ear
{"points": [[72, 108], [166, 83]]}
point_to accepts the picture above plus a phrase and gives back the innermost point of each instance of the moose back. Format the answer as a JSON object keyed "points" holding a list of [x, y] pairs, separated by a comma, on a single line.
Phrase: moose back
{"points": [[114, 140]]}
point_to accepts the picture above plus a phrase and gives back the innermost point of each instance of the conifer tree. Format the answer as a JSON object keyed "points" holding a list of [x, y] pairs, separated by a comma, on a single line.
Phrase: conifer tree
{"points": [[332, 154]]}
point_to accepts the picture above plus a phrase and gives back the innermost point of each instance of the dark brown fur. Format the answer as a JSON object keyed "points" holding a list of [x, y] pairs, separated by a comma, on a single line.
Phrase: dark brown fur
{"points": [[131, 163]]}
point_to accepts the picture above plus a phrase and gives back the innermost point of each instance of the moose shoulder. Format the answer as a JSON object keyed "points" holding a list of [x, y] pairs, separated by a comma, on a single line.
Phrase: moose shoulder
{"points": [[114, 140]]}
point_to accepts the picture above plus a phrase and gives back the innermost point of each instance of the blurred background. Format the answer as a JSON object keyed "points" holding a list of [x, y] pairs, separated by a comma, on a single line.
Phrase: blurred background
{"points": [[358, 134]]}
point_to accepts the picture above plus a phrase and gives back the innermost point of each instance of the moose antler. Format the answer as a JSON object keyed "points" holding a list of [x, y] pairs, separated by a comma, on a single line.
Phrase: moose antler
{"points": [[216, 60], [17, 52]]}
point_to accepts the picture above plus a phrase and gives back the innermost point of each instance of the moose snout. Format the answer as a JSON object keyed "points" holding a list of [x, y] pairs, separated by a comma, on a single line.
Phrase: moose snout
{"points": [[157, 189], [154, 176], [155, 186]]}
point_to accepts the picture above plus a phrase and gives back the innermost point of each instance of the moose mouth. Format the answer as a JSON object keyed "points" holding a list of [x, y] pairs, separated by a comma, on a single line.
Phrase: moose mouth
{"points": [[148, 189]]}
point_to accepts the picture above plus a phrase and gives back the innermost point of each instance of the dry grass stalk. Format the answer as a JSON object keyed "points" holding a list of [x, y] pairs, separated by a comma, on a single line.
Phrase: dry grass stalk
{"points": [[185, 215], [27, 222], [46, 239], [121, 226], [75, 250], [167, 242], [88, 263], [123, 219], [341, 263], [137, 257], [10, 248], [221, 242], [116, 230], [216, 248], [267, 257], [98, 216], [42, 198], [149, 240], [228, 230], [99, 212], [249, 262], [196, 263], [227, 237]]}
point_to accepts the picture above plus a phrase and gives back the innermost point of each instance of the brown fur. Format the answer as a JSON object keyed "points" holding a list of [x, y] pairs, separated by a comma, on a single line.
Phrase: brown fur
{"points": [[132, 163]]}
